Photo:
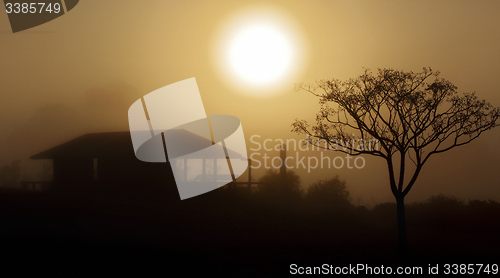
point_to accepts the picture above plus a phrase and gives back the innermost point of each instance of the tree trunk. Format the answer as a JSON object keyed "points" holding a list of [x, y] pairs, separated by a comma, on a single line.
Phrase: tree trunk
{"points": [[403, 244]]}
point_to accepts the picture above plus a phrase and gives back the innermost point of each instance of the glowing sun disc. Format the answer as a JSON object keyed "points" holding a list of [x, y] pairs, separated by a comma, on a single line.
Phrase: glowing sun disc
{"points": [[260, 54]]}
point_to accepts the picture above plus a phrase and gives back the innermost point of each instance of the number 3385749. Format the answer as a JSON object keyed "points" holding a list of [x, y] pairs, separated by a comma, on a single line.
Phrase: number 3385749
{"points": [[32, 8]]}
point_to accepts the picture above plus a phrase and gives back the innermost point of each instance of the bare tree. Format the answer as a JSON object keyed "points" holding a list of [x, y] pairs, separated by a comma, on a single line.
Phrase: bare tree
{"points": [[412, 116]]}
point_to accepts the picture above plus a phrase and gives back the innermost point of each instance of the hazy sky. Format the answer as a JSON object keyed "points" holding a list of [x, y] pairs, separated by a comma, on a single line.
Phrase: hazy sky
{"points": [[81, 72]]}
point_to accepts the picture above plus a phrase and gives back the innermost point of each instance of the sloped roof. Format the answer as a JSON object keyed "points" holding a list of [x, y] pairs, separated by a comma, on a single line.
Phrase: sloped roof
{"points": [[114, 145], [92, 145]]}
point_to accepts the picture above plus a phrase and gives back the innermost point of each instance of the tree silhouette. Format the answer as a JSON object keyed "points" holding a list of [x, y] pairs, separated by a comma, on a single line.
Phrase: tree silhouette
{"points": [[273, 189], [411, 119], [329, 194]]}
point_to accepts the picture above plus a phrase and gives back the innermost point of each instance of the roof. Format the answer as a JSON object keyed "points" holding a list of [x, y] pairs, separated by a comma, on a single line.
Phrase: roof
{"points": [[116, 145], [92, 145]]}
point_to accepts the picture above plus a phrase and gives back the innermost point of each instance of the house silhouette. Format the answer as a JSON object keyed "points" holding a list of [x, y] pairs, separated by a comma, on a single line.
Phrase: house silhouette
{"points": [[108, 160]]}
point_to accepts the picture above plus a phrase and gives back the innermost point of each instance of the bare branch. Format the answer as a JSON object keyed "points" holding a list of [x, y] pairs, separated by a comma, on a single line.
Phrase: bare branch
{"points": [[408, 113]]}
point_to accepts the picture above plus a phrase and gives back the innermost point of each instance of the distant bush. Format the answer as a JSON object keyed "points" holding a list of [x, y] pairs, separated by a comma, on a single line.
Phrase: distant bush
{"points": [[385, 208], [443, 201], [273, 189], [479, 206], [329, 194], [451, 213]]}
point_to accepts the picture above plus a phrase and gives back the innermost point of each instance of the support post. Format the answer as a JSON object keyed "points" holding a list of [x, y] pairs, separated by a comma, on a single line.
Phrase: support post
{"points": [[185, 172], [283, 165], [249, 175], [215, 169], [204, 173]]}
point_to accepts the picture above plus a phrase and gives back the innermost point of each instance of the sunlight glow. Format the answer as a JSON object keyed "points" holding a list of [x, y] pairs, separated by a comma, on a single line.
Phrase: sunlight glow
{"points": [[259, 51], [260, 54]]}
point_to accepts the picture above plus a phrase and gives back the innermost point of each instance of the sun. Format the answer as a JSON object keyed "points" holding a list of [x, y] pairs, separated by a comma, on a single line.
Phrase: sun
{"points": [[260, 54], [259, 51]]}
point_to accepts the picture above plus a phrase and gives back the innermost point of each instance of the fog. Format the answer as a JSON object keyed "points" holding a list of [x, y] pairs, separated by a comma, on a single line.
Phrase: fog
{"points": [[81, 72]]}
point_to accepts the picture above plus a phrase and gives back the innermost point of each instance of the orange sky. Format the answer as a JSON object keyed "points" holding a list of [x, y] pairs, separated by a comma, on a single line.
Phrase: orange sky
{"points": [[80, 72]]}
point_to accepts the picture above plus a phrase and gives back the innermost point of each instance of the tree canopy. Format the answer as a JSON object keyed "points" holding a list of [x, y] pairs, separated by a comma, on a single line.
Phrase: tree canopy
{"points": [[415, 115]]}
